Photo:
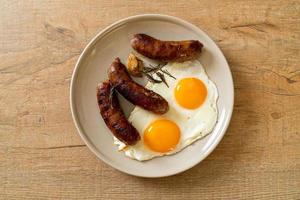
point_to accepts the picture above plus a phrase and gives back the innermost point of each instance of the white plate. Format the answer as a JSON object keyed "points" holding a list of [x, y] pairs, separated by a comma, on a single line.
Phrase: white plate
{"points": [[91, 68]]}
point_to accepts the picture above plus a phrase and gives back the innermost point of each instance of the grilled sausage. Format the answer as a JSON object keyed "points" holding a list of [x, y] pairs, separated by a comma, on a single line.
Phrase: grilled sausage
{"points": [[166, 51], [134, 92], [113, 115]]}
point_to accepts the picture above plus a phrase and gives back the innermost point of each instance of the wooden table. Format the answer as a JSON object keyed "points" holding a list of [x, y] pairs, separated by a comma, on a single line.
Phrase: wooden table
{"points": [[42, 156]]}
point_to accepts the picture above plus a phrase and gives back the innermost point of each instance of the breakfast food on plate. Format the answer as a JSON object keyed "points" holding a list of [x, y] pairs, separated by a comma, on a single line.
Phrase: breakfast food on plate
{"points": [[113, 115], [133, 92], [192, 114], [167, 51], [183, 109], [134, 66]]}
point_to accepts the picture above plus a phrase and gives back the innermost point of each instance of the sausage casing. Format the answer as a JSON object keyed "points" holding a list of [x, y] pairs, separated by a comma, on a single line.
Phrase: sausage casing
{"points": [[134, 92], [113, 115], [167, 51]]}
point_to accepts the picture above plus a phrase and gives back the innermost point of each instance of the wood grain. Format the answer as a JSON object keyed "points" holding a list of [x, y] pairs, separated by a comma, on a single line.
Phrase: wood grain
{"points": [[42, 156]]}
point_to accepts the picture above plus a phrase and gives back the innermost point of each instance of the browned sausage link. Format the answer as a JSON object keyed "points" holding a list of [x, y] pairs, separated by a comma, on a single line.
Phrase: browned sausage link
{"points": [[134, 92], [166, 50], [113, 115]]}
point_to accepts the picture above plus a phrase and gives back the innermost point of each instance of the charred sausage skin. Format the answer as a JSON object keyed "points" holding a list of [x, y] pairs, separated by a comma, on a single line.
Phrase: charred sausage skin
{"points": [[134, 92], [113, 115], [167, 51]]}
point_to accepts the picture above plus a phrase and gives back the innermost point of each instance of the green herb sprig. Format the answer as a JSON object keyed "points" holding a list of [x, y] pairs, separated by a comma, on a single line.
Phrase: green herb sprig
{"points": [[150, 70]]}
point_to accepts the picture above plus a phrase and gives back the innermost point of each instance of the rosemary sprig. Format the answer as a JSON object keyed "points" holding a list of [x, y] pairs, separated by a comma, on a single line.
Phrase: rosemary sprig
{"points": [[153, 69], [162, 78], [151, 78], [150, 70], [167, 73]]}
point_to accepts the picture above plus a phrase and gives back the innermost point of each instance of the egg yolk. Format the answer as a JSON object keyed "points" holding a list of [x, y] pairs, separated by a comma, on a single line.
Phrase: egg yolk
{"points": [[190, 93], [162, 135]]}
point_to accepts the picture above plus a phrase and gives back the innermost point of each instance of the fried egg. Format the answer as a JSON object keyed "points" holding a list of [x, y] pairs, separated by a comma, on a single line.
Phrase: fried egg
{"points": [[192, 114]]}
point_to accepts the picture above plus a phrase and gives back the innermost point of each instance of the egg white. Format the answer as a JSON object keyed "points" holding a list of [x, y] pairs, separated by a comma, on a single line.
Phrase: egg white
{"points": [[193, 123]]}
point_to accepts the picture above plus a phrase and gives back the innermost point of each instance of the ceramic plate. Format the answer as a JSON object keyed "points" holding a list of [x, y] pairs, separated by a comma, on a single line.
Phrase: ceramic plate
{"points": [[91, 69]]}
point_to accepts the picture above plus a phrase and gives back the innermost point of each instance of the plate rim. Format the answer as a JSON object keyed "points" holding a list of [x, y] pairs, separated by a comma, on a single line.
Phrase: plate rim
{"points": [[86, 49]]}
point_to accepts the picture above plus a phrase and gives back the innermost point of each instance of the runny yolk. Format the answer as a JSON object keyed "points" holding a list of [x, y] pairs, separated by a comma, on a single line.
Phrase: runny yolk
{"points": [[190, 93], [162, 135]]}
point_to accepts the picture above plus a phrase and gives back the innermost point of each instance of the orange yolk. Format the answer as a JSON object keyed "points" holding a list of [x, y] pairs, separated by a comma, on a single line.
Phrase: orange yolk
{"points": [[190, 93], [162, 135]]}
